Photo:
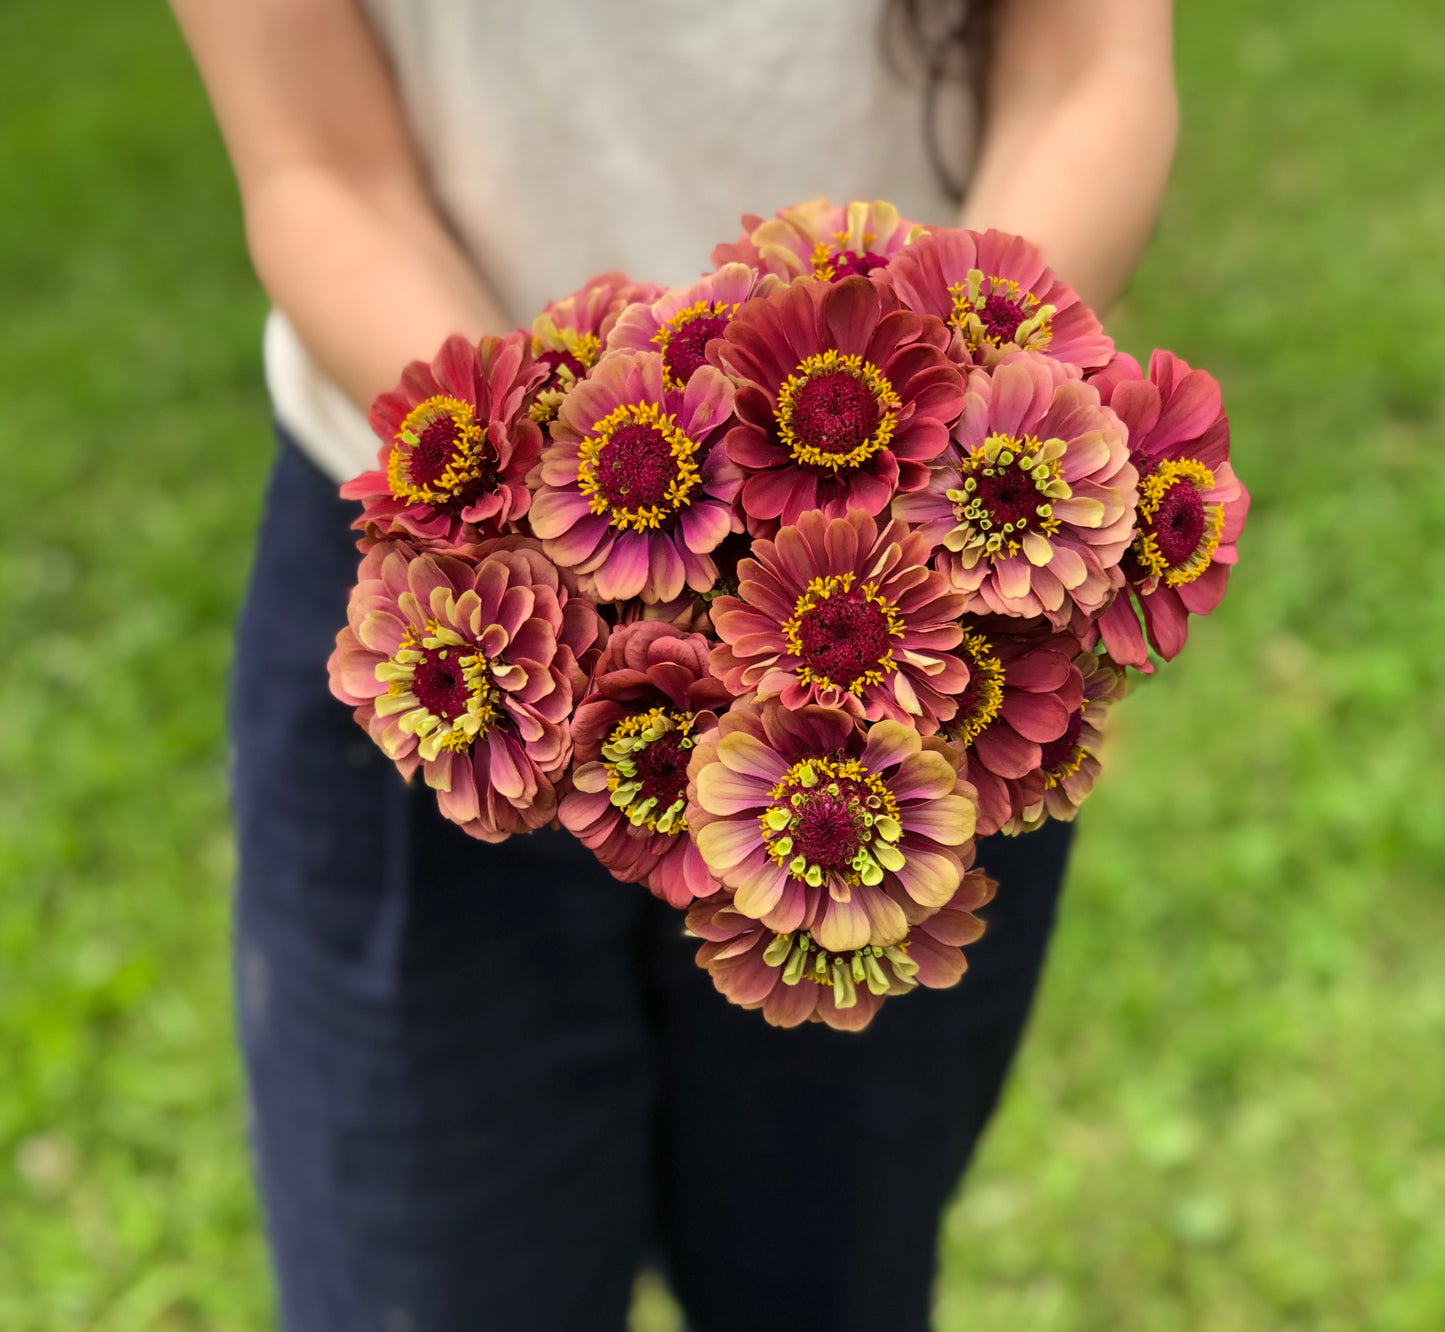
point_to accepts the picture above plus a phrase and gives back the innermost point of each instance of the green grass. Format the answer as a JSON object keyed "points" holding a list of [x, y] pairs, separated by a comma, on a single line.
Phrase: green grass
{"points": [[1230, 1113]]}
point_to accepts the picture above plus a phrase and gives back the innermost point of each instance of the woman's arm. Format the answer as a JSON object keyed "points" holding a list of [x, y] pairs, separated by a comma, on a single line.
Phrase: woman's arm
{"points": [[339, 221], [1079, 130]]}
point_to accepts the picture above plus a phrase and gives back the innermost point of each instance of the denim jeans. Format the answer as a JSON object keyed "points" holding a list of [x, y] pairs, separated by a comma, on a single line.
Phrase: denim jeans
{"points": [[486, 1082]]}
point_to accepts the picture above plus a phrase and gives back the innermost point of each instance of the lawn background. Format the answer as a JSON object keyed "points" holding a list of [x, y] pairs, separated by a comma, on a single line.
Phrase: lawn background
{"points": [[1230, 1113]]}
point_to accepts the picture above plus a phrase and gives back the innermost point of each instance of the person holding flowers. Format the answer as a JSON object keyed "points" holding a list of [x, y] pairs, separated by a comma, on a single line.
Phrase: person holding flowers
{"points": [[487, 1079]]}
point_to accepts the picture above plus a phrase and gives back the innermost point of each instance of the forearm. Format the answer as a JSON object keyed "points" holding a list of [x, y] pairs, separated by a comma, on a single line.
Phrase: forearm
{"points": [[1079, 136], [369, 282]]}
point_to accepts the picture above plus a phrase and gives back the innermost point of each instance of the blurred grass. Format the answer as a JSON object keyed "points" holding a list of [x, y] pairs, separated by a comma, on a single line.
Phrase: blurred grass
{"points": [[1231, 1110]]}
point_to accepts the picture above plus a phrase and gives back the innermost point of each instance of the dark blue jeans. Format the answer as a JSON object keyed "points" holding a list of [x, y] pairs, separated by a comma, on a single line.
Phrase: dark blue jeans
{"points": [[487, 1081]]}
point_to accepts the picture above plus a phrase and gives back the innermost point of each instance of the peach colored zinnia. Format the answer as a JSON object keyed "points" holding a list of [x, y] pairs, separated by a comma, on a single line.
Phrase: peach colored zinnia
{"points": [[843, 614], [818, 825], [997, 295], [1035, 507], [794, 980], [822, 240], [465, 668]]}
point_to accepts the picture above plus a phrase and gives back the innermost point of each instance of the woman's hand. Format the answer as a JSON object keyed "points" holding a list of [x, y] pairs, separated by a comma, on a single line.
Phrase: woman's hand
{"points": [[339, 221], [1079, 129]]}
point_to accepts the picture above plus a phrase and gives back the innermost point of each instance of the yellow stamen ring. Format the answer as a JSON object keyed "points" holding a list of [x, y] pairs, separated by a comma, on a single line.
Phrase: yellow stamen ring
{"points": [[686, 478], [585, 348], [832, 362], [820, 590], [463, 465], [627, 740], [703, 309], [437, 733], [979, 297], [874, 813], [999, 459], [986, 681], [1151, 494]]}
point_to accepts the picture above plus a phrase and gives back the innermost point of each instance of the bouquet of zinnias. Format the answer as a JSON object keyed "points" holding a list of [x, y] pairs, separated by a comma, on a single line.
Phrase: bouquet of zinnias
{"points": [[778, 590]]}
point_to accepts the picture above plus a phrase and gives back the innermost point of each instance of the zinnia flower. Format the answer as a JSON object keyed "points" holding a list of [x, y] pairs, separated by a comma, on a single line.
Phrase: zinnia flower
{"points": [[1038, 508], [680, 324], [1069, 765], [465, 669], [1023, 691], [816, 825], [822, 240], [1191, 505], [632, 493], [837, 612], [843, 399], [998, 296], [651, 700], [570, 335], [792, 979], [457, 445]]}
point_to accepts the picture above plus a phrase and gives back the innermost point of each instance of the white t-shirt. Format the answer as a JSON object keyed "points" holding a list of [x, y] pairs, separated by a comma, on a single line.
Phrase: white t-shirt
{"points": [[573, 137]]}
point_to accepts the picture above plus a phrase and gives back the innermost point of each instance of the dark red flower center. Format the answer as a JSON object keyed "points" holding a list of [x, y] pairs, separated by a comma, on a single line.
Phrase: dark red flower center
{"points": [[662, 769], [849, 263], [636, 467], [686, 348], [827, 827], [1001, 317], [843, 637], [439, 685], [834, 413], [1009, 496], [558, 359], [1058, 752], [1178, 523], [436, 446]]}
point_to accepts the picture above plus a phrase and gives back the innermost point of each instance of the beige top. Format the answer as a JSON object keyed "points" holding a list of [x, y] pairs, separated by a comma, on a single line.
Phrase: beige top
{"points": [[567, 138]]}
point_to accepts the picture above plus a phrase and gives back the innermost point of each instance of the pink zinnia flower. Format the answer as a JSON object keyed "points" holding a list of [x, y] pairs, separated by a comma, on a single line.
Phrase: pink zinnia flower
{"points": [[457, 445], [1023, 690], [651, 700], [843, 399], [570, 335], [793, 980], [465, 669], [1037, 508], [1191, 505], [843, 614], [1070, 765], [822, 240], [998, 296], [816, 825], [632, 493], [680, 324]]}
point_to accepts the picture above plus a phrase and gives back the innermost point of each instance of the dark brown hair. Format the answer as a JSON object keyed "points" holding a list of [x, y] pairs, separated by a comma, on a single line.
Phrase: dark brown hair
{"points": [[943, 42]]}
